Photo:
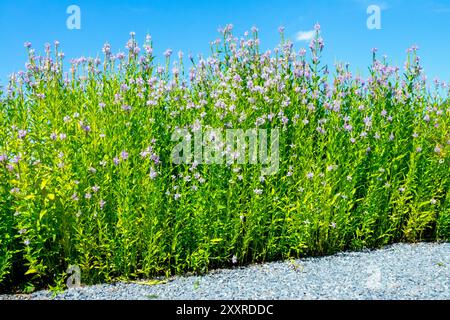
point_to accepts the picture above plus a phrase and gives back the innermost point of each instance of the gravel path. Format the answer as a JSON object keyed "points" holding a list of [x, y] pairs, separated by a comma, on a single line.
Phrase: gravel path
{"points": [[400, 271]]}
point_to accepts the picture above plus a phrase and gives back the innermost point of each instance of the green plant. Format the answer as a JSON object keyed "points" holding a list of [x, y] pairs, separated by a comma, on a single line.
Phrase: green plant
{"points": [[86, 176]]}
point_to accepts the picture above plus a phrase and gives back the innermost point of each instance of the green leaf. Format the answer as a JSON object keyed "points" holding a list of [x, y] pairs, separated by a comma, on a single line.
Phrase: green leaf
{"points": [[44, 183], [41, 215], [31, 271]]}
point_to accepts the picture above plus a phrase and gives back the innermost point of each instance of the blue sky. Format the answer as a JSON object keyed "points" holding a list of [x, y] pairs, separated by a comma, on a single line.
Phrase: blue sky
{"points": [[190, 26]]}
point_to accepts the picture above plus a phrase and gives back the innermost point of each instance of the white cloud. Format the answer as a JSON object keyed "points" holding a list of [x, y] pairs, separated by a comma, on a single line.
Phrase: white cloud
{"points": [[305, 35], [382, 4], [440, 8]]}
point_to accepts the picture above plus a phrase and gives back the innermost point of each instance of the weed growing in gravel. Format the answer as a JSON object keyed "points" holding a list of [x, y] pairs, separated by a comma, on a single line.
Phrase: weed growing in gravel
{"points": [[86, 176]]}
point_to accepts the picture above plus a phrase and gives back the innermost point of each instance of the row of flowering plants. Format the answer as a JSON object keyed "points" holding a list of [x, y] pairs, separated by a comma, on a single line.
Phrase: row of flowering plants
{"points": [[87, 179]]}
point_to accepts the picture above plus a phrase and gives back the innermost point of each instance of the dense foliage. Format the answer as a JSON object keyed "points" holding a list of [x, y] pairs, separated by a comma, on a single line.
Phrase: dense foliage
{"points": [[86, 176]]}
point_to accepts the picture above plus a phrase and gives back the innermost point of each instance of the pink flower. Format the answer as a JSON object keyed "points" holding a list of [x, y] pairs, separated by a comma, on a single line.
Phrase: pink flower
{"points": [[168, 53], [258, 191], [15, 190], [22, 134], [153, 174]]}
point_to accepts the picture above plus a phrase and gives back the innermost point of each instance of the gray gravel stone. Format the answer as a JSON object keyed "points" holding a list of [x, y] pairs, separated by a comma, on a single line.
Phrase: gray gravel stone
{"points": [[400, 271]]}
